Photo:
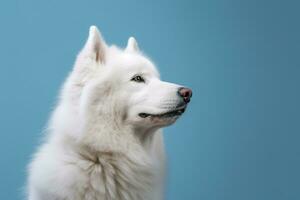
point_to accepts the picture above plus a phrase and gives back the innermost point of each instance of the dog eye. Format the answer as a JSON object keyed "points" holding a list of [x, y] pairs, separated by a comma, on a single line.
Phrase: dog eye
{"points": [[138, 79]]}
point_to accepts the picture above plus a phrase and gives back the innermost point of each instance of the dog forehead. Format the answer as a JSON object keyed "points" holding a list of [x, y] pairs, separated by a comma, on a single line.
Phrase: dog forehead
{"points": [[135, 62]]}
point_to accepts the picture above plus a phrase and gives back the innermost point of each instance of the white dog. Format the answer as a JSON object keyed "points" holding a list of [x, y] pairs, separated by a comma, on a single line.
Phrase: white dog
{"points": [[104, 140]]}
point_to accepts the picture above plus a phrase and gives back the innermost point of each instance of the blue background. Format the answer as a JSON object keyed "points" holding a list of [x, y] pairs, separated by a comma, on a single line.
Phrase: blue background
{"points": [[240, 138]]}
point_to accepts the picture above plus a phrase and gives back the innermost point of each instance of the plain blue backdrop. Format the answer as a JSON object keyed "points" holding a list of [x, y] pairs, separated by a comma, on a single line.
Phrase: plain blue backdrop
{"points": [[239, 139]]}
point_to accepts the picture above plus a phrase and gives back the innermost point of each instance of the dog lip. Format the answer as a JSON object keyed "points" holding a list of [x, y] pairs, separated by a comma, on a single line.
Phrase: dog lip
{"points": [[176, 112], [143, 115]]}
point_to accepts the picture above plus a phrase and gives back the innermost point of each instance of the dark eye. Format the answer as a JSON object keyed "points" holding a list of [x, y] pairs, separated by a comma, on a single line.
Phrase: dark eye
{"points": [[138, 79]]}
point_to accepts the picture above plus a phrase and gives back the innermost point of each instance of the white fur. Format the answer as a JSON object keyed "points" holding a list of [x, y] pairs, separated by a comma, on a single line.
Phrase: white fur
{"points": [[97, 146]]}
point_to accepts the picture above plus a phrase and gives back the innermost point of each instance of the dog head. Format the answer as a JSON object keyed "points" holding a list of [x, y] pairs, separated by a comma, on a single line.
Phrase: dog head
{"points": [[123, 86]]}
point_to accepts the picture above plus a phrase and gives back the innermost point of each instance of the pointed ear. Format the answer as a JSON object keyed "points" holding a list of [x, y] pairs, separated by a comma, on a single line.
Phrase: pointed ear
{"points": [[95, 47], [132, 45]]}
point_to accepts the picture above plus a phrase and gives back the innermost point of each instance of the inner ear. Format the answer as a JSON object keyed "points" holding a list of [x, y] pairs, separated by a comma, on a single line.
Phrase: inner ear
{"points": [[95, 46]]}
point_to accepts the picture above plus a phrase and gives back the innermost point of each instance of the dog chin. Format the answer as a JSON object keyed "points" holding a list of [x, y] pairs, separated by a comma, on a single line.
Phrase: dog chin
{"points": [[160, 122]]}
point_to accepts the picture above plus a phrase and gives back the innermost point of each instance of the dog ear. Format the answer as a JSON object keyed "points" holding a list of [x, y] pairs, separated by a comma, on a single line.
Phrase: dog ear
{"points": [[95, 46], [132, 45]]}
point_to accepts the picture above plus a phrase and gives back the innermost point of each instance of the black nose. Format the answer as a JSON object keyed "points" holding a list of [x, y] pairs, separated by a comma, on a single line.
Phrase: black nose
{"points": [[185, 93]]}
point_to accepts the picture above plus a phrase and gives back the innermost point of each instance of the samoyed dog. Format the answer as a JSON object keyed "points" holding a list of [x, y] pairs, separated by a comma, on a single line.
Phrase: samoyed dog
{"points": [[103, 140]]}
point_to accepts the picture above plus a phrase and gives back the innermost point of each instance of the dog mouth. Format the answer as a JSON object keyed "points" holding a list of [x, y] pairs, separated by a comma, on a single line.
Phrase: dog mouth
{"points": [[169, 114]]}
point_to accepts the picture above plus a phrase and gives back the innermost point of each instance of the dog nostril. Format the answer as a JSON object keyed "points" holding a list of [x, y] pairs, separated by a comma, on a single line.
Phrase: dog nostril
{"points": [[186, 93]]}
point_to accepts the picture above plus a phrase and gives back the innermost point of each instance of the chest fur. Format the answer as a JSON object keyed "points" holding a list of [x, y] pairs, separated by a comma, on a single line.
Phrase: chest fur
{"points": [[115, 176]]}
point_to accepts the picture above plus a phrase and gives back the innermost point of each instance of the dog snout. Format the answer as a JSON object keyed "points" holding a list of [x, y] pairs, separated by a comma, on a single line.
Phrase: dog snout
{"points": [[185, 93]]}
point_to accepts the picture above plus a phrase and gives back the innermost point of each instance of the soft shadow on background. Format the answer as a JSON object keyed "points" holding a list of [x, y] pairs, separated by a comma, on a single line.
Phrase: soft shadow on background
{"points": [[239, 139]]}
